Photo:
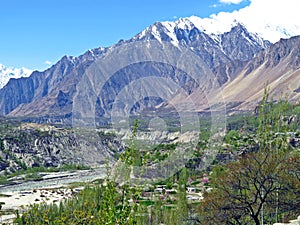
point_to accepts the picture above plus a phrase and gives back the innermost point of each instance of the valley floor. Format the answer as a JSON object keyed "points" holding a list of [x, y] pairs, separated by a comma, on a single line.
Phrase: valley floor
{"points": [[54, 187]]}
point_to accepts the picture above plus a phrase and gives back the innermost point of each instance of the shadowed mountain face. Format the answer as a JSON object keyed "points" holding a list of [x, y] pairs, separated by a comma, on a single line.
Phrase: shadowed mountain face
{"points": [[161, 67]]}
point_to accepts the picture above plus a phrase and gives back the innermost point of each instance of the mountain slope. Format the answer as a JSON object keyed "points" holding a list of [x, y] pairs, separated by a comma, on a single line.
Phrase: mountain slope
{"points": [[277, 66], [50, 95], [61, 77], [42, 92]]}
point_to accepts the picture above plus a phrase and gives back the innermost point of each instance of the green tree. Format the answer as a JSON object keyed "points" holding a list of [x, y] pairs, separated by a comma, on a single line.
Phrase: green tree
{"points": [[257, 183], [261, 186]]}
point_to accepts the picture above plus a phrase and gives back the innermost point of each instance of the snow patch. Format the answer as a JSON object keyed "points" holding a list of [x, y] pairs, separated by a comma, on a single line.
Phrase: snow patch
{"points": [[170, 31], [156, 33], [6, 73], [214, 27]]}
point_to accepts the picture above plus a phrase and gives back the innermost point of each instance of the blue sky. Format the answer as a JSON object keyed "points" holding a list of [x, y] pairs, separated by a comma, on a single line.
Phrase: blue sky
{"points": [[36, 31]]}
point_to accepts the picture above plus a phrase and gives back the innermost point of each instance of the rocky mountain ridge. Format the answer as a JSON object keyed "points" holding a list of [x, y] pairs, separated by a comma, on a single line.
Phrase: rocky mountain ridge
{"points": [[278, 67], [232, 67], [50, 94]]}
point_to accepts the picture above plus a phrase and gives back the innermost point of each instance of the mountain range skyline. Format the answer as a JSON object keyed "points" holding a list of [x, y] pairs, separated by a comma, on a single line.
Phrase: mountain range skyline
{"points": [[210, 27], [164, 66], [30, 44]]}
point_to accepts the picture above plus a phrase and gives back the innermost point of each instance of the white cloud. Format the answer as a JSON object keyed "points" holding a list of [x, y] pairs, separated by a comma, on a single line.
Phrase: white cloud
{"points": [[48, 62], [272, 19], [231, 1], [215, 5]]}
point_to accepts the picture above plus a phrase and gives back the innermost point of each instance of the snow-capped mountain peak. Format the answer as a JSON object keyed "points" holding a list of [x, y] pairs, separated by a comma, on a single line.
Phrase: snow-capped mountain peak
{"points": [[186, 30], [9, 72], [206, 25], [214, 27], [223, 22]]}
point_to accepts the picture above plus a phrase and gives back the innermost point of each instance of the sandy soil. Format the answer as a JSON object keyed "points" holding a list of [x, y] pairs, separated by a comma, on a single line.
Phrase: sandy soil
{"points": [[20, 199]]}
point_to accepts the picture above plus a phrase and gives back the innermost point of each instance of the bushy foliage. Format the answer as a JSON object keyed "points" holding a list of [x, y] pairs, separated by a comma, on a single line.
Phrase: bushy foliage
{"points": [[262, 186], [94, 205]]}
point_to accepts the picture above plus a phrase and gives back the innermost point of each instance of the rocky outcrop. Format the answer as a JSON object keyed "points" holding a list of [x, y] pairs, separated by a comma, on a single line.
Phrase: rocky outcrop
{"points": [[31, 145]]}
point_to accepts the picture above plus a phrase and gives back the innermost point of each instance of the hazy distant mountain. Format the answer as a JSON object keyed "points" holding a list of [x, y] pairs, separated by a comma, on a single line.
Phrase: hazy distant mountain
{"points": [[236, 59], [7, 73]]}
